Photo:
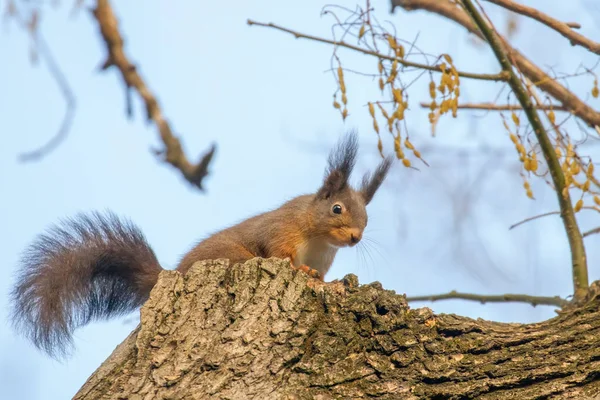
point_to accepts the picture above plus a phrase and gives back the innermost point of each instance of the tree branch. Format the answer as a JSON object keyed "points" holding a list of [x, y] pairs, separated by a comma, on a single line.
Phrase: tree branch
{"points": [[564, 29], [436, 68], [63, 84], [450, 10], [173, 152], [502, 107], [500, 298], [578, 258]]}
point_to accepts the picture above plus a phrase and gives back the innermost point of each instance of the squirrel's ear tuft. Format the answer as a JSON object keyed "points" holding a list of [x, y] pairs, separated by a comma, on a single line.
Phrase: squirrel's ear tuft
{"points": [[372, 182], [341, 162]]}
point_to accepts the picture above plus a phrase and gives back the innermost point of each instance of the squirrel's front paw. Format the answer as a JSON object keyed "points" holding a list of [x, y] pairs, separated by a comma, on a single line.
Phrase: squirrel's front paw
{"points": [[311, 272]]}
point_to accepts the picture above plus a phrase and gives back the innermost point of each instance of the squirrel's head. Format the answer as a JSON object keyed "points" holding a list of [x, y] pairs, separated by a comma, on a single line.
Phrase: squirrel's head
{"points": [[341, 209]]}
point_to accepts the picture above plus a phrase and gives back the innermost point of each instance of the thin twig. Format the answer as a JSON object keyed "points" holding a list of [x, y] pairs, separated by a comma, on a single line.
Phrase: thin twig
{"points": [[591, 232], [578, 258], [502, 107], [529, 219], [564, 29], [500, 298], [63, 84], [173, 152], [449, 10], [533, 218], [436, 68]]}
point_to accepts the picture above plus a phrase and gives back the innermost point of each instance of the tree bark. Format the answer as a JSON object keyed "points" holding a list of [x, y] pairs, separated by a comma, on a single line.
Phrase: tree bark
{"points": [[261, 330]]}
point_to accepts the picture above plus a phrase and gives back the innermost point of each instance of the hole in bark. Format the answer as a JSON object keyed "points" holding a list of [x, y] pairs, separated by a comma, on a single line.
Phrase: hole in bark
{"points": [[382, 310]]}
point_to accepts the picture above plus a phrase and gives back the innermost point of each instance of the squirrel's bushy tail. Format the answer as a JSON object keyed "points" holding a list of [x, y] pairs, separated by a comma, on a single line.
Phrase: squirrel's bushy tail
{"points": [[90, 267]]}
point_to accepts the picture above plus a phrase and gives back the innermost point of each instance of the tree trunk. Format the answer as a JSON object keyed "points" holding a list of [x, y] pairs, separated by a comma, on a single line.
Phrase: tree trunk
{"points": [[261, 330]]}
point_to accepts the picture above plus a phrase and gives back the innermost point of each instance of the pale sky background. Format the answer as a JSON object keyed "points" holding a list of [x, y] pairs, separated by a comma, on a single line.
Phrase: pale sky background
{"points": [[265, 98]]}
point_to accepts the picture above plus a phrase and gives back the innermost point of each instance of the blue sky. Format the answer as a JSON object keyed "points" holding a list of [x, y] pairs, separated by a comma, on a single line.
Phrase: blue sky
{"points": [[265, 98]]}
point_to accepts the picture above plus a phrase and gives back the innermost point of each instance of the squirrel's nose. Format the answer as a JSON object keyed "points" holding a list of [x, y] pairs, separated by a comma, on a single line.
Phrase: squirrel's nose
{"points": [[355, 236]]}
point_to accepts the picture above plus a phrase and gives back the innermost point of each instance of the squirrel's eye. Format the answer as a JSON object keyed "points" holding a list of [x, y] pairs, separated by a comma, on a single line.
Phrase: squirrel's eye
{"points": [[337, 209]]}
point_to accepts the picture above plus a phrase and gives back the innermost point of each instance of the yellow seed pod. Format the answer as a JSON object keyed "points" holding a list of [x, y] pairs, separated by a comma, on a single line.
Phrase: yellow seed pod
{"points": [[432, 89], [443, 67], [397, 93], [399, 113], [375, 125], [381, 84], [400, 51], [457, 91], [448, 58], [371, 110], [513, 138], [392, 42], [380, 146], [527, 164], [578, 205], [340, 73], [595, 89], [597, 200], [394, 66], [568, 180], [344, 113], [431, 117], [570, 150], [520, 149], [586, 186], [380, 66], [408, 144], [361, 32], [529, 193], [432, 105], [534, 164], [558, 152], [417, 153], [442, 89], [406, 162], [454, 108], [526, 185], [575, 169], [336, 104], [590, 169], [344, 98], [515, 119], [551, 116]]}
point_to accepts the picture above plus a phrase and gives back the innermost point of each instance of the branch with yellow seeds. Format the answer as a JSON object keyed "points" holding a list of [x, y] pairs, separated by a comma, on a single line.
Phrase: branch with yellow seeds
{"points": [[436, 68], [578, 256], [449, 10], [501, 107]]}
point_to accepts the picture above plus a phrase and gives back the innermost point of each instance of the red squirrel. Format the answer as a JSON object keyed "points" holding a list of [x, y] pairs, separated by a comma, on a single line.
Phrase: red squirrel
{"points": [[96, 266]]}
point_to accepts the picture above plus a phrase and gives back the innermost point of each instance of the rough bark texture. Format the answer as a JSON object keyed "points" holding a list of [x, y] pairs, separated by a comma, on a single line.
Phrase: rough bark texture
{"points": [[261, 330]]}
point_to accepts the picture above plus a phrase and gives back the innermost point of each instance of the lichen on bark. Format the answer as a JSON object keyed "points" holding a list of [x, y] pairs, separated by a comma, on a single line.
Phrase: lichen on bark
{"points": [[261, 330]]}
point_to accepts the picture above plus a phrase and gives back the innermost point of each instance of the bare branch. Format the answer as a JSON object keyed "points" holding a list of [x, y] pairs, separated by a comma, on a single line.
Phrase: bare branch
{"points": [[564, 29], [173, 152], [63, 84], [578, 258], [436, 68], [500, 298], [502, 107], [450, 10], [591, 232]]}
